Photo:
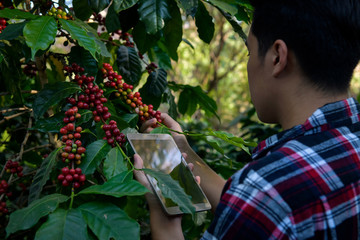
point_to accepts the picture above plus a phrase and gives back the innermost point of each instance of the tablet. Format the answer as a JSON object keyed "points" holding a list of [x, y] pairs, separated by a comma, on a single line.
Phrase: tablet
{"points": [[160, 152]]}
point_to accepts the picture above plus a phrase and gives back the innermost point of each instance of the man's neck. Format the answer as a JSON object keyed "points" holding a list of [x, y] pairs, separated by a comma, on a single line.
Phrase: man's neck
{"points": [[299, 108]]}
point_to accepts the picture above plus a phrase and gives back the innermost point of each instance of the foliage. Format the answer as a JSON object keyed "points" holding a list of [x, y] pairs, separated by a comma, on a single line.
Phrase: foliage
{"points": [[76, 79]]}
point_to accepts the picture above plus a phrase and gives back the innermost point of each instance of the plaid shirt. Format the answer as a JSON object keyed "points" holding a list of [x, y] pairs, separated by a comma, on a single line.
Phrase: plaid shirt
{"points": [[303, 184]]}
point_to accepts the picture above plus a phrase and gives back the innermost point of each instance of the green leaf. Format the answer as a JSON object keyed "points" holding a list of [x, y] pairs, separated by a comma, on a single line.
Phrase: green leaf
{"points": [[160, 130], [187, 102], [129, 64], [143, 40], [42, 175], [82, 9], [170, 100], [162, 58], [231, 139], [40, 33], [52, 95], [172, 189], [173, 30], [79, 34], [204, 23], [84, 59], [223, 5], [17, 14], [153, 13], [12, 31], [98, 5], [190, 6], [63, 225], [112, 21], [27, 217], [120, 5], [86, 116], [118, 186], [154, 87], [114, 163], [206, 103], [108, 221], [95, 152], [52, 124]]}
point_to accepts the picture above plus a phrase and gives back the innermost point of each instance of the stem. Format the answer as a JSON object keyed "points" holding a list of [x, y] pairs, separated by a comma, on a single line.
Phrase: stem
{"points": [[126, 157], [24, 91], [14, 109], [13, 116], [72, 197]]}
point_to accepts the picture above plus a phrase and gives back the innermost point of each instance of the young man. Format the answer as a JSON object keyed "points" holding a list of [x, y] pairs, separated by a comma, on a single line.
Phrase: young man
{"points": [[304, 182]]}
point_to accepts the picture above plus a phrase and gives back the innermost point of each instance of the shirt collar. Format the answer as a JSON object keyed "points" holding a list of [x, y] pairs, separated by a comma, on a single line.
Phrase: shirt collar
{"points": [[331, 115]]}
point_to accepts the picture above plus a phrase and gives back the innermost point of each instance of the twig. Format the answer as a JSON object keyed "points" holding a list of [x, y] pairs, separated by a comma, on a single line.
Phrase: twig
{"points": [[14, 109], [13, 116], [31, 149], [26, 138], [24, 91]]}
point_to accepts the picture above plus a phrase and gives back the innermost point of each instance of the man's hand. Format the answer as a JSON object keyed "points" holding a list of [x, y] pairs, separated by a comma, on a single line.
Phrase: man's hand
{"points": [[162, 225]]}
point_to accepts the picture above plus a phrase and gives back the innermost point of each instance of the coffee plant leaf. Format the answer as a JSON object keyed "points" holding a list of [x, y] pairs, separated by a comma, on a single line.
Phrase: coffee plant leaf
{"points": [[204, 23], [95, 153], [63, 224], [129, 64], [40, 33], [17, 14], [86, 116], [231, 139], [206, 103], [173, 30], [79, 34], [120, 5], [172, 189], [114, 163], [161, 57], [153, 13], [190, 6], [51, 124], [51, 95], [42, 175], [107, 221], [169, 98], [144, 41], [82, 9], [27, 217], [131, 119], [84, 59], [118, 186], [187, 103], [215, 144], [112, 21], [154, 87], [98, 5], [12, 31], [161, 130], [223, 5]]}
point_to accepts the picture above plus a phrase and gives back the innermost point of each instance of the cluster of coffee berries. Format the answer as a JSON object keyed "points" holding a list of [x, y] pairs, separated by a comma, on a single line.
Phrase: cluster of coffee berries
{"points": [[59, 13], [74, 176], [123, 37], [101, 22], [30, 70], [113, 134], [14, 167], [2, 24], [151, 67], [73, 151], [4, 191], [92, 98], [3, 209], [124, 91]]}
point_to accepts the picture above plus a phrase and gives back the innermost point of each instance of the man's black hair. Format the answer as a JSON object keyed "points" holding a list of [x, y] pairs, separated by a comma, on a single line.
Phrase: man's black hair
{"points": [[323, 34]]}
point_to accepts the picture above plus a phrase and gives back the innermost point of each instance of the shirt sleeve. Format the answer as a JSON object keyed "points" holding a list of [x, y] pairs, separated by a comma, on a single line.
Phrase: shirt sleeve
{"points": [[244, 212]]}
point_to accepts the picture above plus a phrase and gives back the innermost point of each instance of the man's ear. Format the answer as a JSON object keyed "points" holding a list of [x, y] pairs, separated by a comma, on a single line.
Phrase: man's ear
{"points": [[279, 57]]}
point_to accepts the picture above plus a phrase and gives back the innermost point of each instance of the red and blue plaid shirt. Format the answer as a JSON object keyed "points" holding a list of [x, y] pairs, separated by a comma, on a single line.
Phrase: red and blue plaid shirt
{"points": [[304, 183]]}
